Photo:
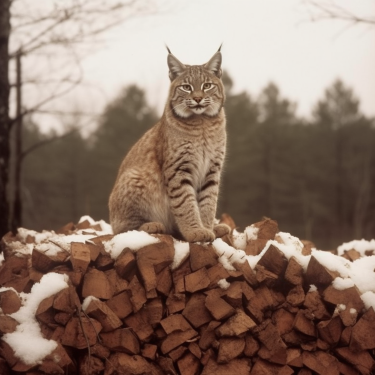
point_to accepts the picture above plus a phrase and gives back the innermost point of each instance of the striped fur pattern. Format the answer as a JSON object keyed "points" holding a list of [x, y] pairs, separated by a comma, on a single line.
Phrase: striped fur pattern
{"points": [[169, 180]]}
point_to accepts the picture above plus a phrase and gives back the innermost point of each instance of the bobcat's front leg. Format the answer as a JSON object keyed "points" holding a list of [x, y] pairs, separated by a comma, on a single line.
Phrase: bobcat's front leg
{"points": [[185, 208], [207, 201]]}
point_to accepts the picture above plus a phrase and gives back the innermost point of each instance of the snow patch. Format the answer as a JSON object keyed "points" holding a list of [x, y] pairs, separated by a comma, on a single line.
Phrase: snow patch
{"points": [[86, 302], [368, 299], [228, 254], [27, 340], [223, 284], [181, 252], [359, 245], [340, 284], [132, 239], [251, 232]]}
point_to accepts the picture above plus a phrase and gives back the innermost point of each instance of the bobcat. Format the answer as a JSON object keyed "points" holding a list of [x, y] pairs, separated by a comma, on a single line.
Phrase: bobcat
{"points": [[169, 180]]}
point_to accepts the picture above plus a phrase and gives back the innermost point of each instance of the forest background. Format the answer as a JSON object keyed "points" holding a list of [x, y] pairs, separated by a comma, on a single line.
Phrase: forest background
{"points": [[315, 177]]}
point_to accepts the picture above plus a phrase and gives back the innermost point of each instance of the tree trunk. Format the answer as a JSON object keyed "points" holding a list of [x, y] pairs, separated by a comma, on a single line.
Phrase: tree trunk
{"points": [[4, 114], [16, 221]]}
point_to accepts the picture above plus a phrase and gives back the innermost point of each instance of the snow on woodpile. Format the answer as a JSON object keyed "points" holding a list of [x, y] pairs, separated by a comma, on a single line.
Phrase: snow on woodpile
{"points": [[83, 301]]}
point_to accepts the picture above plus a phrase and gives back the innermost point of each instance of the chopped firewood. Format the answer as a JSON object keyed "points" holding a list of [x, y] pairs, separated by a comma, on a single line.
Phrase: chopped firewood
{"points": [[230, 348], [273, 349], [255, 247], [175, 302], [363, 333], [90, 365], [317, 274], [176, 338], [103, 314], [123, 363], [152, 259], [267, 229], [348, 315], [197, 280], [95, 283], [104, 261], [137, 294], [94, 250], [262, 300], [149, 351], [178, 276], [81, 332], [121, 340], [236, 366], [216, 273], [218, 308], [125, 263], [345, 369], [80, 256], [321, 362], [236, 325], [362, 361], [296, 296], [174, 323], [167, 365], [307, 247], [188, 365], [202, 256], [304, 324], [352, 254], [262, 367], [207, 334], [352, 295], [153, 311], [274, 260], [314, 303], [247, 272], [294, 357], [141, 327], [283, 320], [196, 311], [7, 324], [9, 301], [233, 294], [148, 315], [164, 281], [265, 277], [195, 349], [177, 353], [44, 262], [294, 272], [45, 312], [330, 330], [117, 283], [66, 300]]}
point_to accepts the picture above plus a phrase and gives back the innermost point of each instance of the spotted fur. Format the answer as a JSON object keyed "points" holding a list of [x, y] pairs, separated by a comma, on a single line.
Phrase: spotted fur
{"points": [[169, 180]]}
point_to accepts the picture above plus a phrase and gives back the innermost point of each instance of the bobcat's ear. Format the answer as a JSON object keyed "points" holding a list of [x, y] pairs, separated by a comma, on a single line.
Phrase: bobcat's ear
{"points": [[176, 67], [214, 65]]}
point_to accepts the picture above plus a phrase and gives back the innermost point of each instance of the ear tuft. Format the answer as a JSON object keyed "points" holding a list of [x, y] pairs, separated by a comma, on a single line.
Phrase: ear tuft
{"points": [[176, 67], [214, 65]]}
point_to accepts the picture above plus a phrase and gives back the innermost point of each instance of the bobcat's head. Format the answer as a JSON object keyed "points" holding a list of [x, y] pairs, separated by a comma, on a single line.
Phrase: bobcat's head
{"points": [[196, 89]]}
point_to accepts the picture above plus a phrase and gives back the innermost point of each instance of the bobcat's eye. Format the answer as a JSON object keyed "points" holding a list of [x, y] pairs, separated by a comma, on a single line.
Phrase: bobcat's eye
{"points": [[186, 88], [207, 86]]}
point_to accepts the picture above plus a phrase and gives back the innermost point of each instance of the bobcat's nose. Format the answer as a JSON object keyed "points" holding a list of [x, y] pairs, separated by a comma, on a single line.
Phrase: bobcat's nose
{"points": [[198, 99]]}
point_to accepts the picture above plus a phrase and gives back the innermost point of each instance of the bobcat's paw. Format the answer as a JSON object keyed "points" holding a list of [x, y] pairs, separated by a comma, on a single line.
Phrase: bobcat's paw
{"points": [[153, 227], [199, 235], [221, 230]]}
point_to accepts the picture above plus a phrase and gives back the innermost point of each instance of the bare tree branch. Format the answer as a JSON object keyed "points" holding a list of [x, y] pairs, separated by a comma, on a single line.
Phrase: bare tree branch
{"points": [[328, 10]]}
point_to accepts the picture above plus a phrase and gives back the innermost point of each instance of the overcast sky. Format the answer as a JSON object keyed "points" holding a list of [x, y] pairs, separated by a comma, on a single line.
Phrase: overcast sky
{"points": [[263, 41]]}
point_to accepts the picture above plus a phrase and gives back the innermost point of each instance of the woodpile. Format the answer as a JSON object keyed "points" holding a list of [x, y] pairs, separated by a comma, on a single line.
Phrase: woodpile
{"points": [[137, 314]]}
